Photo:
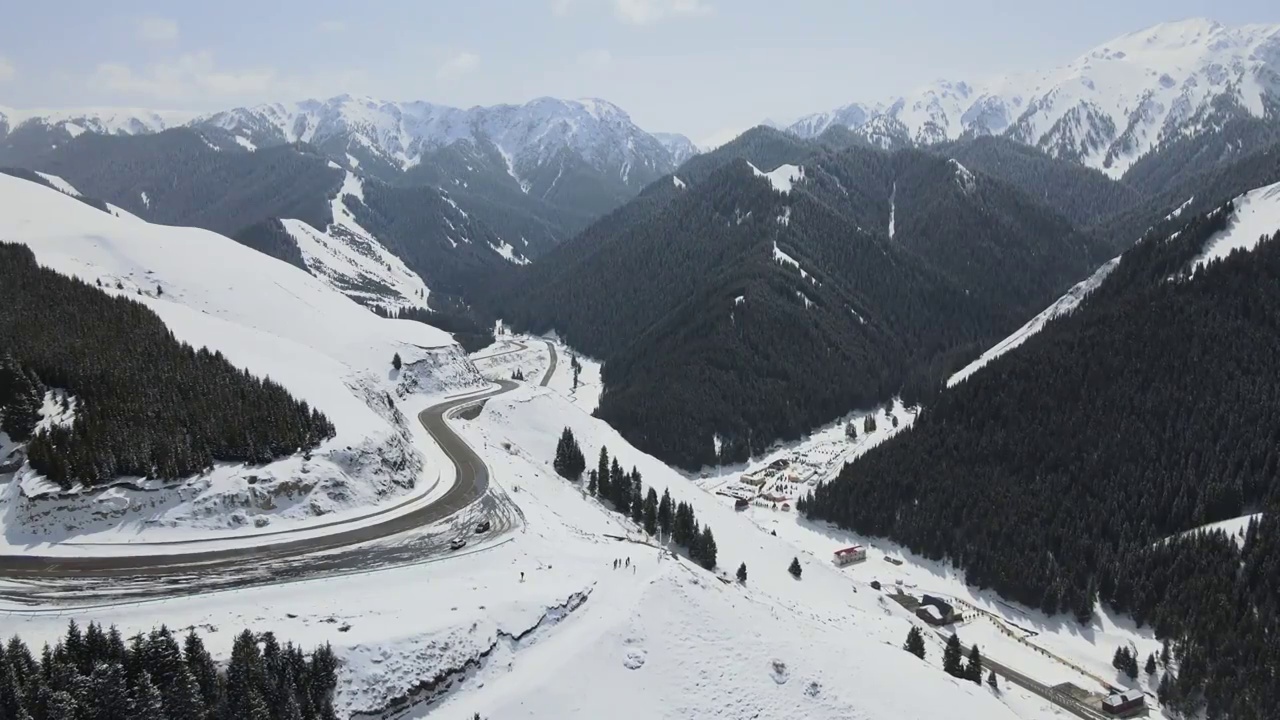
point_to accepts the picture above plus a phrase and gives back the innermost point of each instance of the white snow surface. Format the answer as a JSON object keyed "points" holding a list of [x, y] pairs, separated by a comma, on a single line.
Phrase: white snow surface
{"points": [[60, 184], [269, 317], [351, 260], [509, 253], [678, 182], [1105, 109], [781, 177], [1062, 306], [1256, 214], [245, 143], [656, 638]]}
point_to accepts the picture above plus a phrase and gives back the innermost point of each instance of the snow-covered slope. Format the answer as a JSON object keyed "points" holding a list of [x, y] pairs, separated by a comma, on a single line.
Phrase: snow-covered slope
{"points": [[1063, 305], [351, 260], [1105, 109], [264, 315], [1256, 214]]}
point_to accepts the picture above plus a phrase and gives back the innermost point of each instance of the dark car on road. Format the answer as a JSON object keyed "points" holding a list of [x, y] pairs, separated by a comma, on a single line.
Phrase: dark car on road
{"points": [[483, 527]]}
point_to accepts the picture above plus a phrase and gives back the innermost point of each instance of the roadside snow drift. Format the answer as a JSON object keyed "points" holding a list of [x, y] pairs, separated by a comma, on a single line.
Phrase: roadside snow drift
{"points": [[264, 315]]}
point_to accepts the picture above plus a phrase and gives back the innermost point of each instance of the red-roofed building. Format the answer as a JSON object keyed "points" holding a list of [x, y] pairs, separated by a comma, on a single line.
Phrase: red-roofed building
{"points": [[850, 555]]}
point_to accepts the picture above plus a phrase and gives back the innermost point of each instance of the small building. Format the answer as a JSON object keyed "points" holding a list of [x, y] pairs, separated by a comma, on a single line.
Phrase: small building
{"points": [[741, 504], [944, 608], [849, 556], [1124, 704], [931, 615]]}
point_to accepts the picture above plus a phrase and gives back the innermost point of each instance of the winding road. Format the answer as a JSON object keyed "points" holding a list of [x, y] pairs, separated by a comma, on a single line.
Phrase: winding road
{"points": [[470, 487]]}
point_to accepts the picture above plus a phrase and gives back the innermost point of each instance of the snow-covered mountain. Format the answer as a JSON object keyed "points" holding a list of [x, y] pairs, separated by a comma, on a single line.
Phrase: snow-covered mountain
{"points": [[1105, 109], [528, 136], [680, 147]]}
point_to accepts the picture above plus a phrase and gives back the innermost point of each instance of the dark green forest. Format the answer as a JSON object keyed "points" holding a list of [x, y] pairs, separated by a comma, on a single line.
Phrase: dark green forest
{"points": [[654, 288], [97, 674], [1051, 475], [148, 404]]}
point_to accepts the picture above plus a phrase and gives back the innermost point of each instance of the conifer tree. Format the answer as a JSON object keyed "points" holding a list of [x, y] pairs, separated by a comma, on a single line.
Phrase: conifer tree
{"points": [[742, 573], [666, 514], [869, 425], [953, 657], [108, 691], [707, 548], [145, 701], [991, 680], [973, 670], [396, 362], [245, 680], [651, 512], [602, 474], [593, 482], [795, 569], [620, 488], [61, 706], [637, 497], [915, 642], [22, 411], [182, 701], [1151, 664], [202, 667]]}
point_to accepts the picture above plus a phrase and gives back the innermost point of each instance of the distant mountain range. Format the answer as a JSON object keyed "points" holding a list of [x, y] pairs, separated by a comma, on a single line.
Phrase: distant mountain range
{"points": [[1105, 110]]}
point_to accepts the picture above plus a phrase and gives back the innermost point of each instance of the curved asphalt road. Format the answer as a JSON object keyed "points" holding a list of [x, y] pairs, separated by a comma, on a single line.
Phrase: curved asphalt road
{"points": [[471, 485]]}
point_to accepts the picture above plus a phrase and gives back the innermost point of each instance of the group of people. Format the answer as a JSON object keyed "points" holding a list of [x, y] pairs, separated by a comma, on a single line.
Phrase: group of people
{"points": [[619, 563]]}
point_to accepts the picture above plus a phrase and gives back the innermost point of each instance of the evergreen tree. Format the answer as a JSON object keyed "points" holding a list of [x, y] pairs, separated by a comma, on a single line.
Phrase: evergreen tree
{"points": [[742, 573], [695, 543], [62, 706], [564, 451], [396, 362], [869, 424], [637, 497], [145, 700], [795, 568], [915, 642], [593, 482], [991, 680], [1120, 659], [1151, 664], [651, 512], [953, 657], [973, 670], [1163, 690], [602, 474], [203, 669], [707, 549], [108, 693], [245, 680], [666, 514], [620, 488], [182, 700], [22, 411]]}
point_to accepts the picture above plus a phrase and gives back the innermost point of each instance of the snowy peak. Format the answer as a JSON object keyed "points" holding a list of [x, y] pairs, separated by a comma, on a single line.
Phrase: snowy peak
{"points": [[1105, 109], [678, 146], [529, 135]]}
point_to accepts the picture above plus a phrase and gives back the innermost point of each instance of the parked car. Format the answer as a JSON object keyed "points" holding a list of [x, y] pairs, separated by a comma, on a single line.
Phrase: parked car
{"points": [[483, 527], [457, 543]]}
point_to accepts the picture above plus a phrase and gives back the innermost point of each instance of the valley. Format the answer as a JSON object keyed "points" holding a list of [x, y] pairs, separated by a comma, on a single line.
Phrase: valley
{"points": [[959, 402]]}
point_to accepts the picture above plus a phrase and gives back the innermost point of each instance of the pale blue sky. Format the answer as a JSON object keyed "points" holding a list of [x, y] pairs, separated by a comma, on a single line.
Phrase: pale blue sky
{"points": [[692, 66]]}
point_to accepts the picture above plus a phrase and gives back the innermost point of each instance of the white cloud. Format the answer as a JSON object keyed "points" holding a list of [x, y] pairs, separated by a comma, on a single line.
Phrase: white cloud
{"points": [[460, 64], [7, 70], [599, 59], [157, 30], [332, 26], [647, 12], [195, 79]]}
